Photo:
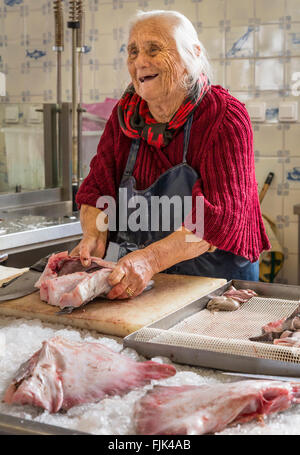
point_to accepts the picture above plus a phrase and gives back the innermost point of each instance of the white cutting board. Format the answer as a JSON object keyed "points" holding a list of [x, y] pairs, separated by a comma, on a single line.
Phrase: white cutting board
{"points": [[120, 317]]}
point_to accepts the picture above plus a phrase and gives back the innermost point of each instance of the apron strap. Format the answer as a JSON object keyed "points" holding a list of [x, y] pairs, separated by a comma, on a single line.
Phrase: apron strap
{"points": [[187, 130], [134, 148], [135, 145]]}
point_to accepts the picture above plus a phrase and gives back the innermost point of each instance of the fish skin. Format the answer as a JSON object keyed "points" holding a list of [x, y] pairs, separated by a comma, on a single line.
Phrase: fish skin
{"points": [[230, 300], [63, 374], [223, 303], [210, 408]]}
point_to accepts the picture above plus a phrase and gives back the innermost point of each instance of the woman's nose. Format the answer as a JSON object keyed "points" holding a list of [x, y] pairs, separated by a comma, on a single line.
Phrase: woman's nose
{"points": [[142, 60]]}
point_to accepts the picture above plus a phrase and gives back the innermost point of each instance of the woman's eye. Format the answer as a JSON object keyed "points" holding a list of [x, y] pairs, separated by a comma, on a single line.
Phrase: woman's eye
{"points": [[154, 49], [133, 53]]}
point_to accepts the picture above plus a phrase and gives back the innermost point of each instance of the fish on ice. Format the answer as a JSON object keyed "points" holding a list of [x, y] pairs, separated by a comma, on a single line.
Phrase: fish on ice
{"points": [[210, 408], [65, 373]]}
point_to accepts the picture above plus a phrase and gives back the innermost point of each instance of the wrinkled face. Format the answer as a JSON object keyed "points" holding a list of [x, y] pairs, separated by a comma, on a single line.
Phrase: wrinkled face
{"points": [[153, 61]]}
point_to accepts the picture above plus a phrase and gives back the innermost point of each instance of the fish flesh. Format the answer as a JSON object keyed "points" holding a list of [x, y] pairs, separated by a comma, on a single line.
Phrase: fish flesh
{"points": [[61, 264], [65, 373], [230, 300], [209, 408], [289, 339], [66, 283], [281, 328]]}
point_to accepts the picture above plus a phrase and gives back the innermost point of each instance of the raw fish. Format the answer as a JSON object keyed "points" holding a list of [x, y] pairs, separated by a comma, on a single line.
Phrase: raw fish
{"points": [[66, 283], [63, 374], [208, 408], [274, 330], [230, 300]]}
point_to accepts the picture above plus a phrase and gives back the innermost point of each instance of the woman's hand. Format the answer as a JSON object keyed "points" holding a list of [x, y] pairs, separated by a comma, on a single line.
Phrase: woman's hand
{"points": [[93, 242], [89, 246], [132, 274]]}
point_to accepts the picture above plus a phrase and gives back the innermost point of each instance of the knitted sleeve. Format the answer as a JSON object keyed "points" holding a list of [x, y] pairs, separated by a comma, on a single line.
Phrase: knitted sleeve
{"points": [[227, 184], [101, 180]]}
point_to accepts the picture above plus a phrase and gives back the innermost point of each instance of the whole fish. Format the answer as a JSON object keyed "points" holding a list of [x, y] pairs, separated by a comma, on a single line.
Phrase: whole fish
{"points": [[209, 408], [63, 374]]}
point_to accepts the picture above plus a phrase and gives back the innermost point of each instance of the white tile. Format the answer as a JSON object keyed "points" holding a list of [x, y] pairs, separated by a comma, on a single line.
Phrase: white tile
{"points": [[265, 165], [106, 79], [36, 22], [292, 173], [218, 73], [292, 139], [239, 42], [292, 69], [272, 204], [269, 11], [187, 8], [290, 237], [13, 56], [293, 39], [106, 50], [269, 41], [13, 26], [292, 199], [213, 40], [239, 12], [211, 12], [239, 75], [293, 9], [268, 140], [269, 74]]}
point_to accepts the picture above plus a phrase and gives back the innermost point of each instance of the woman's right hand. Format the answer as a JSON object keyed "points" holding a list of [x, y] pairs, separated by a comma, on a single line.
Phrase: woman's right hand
{"points": [[93, 242], [89, 246]]}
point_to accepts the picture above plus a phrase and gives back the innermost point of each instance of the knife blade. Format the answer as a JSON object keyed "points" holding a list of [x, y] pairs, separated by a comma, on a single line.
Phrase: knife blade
{"points": [[24, 284], [261, 376]]}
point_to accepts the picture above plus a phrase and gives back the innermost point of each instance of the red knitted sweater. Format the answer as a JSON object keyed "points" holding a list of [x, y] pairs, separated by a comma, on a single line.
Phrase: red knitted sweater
{"points": [[221, 152]]}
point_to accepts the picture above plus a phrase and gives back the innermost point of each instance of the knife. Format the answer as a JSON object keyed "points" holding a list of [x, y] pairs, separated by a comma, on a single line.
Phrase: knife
{"points": [[261, 376], [24, 284]]}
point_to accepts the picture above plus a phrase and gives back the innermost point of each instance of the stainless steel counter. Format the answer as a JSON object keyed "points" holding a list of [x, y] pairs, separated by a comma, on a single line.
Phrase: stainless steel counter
{"points": [[27, 232]]}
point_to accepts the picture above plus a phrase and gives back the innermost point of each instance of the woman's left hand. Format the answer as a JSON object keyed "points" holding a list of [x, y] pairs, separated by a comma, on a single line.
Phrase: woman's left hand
{"points": [[132, 274]]}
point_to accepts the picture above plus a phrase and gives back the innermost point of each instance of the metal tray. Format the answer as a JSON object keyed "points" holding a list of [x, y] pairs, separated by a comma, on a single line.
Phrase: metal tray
{"points": [[237, 353]]}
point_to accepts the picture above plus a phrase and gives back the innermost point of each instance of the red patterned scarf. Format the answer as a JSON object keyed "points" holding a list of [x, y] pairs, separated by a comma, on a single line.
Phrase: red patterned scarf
{"points": [[136, 120]]}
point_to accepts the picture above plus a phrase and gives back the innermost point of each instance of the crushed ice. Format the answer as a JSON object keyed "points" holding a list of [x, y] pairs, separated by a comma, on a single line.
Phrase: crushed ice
{"points": [[113, 415]]}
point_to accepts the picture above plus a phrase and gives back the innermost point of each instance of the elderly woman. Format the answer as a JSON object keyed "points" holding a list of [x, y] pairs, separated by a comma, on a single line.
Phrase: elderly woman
{"points": [[174, 134]]}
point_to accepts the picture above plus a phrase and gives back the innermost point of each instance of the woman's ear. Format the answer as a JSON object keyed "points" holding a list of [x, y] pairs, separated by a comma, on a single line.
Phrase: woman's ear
{"points": [[197, 50]]}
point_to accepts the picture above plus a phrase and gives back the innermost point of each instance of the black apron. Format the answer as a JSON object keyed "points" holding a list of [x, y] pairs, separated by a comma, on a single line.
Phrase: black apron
{"points": [[176, 181]]}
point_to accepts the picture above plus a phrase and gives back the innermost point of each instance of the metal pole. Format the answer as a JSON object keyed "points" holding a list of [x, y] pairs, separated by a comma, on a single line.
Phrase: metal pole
{"points": [[58, 48]]}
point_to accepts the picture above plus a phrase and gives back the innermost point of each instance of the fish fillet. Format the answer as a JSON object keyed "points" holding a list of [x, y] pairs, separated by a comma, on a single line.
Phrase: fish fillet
{"points": [[63, 374], [209, 408]]}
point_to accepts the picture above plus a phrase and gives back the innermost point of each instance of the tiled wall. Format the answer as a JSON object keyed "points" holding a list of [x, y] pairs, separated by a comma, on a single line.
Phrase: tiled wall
{"points": [[254, 47]]}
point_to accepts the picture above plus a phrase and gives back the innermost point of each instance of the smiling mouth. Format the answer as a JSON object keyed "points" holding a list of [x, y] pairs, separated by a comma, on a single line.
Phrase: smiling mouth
{"points": [[147, 78]]}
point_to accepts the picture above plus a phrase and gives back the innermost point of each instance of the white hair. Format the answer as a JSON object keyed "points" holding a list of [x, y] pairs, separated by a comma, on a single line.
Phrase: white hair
{"points": [[186, 40]]}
